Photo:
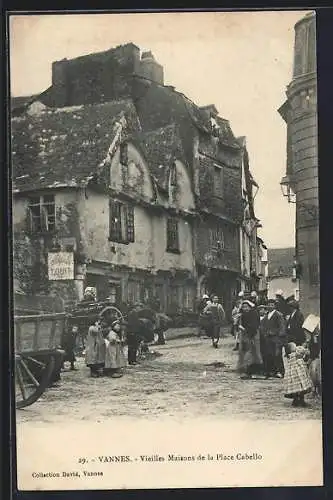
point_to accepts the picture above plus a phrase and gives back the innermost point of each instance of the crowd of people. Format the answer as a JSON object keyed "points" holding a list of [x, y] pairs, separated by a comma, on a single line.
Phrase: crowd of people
{"points": [[269, 337]]}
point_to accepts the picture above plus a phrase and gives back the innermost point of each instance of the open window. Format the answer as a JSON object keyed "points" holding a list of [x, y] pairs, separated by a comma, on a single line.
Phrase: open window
{"points": [[41, 214], [121, 222]]}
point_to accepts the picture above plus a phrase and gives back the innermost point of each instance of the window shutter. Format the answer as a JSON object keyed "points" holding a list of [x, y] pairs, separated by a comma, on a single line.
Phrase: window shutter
{"points": [[169, 234], [115, 221], [44, 219], [124, 223], [130, 224], [111, 218]]}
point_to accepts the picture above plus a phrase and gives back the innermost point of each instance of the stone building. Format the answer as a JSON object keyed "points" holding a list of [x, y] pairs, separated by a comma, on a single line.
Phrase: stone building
{"points": [[141, 184], [300, 184], [252, 248], [281, 272]]}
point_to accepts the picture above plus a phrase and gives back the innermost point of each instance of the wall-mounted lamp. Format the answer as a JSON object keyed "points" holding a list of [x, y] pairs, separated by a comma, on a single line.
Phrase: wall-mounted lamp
{"points": [[287, 189]]}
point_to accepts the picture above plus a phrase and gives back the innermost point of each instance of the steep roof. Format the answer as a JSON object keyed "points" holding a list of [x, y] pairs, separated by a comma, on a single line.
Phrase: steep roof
{"points": [[63, 147], [225, 133], [280, 261], [161, 105], [161, 148]]}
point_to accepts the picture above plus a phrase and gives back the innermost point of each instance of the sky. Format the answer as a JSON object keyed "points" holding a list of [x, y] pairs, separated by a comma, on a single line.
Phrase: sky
{"points": [[241, 62]]}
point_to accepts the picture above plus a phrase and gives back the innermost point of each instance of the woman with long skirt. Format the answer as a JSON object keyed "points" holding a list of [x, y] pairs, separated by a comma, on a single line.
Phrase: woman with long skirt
{"points": [[95, 349], [249, 356]]}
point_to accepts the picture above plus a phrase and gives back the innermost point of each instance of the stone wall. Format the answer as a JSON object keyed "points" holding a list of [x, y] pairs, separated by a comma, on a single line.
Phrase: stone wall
{"points": [[303, 167]]}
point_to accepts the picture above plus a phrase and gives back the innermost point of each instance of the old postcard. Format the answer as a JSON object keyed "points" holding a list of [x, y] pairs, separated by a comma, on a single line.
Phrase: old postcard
{"points": [[165, 250]]}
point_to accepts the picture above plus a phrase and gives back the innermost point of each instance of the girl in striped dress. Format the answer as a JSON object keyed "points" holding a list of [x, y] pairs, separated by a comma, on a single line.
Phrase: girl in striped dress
{"points": [[297, 379]]}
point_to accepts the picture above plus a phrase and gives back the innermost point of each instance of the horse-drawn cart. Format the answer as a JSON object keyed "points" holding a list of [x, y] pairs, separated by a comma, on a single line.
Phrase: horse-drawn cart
{"points": [[37, 354]]}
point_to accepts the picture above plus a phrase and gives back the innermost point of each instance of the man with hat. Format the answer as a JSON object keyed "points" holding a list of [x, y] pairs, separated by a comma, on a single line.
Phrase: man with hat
{"points": [[203, 318], [215, 310], [273, 338], [254, 298], [132, 328], [294, 324], [281, 303]]}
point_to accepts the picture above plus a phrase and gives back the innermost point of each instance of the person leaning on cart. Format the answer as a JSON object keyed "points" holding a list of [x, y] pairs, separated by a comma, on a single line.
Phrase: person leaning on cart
{"points": [[140, 327]]}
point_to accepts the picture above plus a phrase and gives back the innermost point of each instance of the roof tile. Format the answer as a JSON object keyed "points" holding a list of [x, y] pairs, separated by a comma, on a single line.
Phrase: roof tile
{"points": [[72, 142]]}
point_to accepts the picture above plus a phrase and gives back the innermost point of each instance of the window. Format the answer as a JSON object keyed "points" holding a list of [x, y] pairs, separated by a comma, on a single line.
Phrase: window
{"points": [[172, 235], [230, 238], [173, 176], [113, 294], [188, 298], [121, 222], [218, 182], [217, 238], [134, 291], [174, 299], [41, 213], [159, 291], [124, 154]]}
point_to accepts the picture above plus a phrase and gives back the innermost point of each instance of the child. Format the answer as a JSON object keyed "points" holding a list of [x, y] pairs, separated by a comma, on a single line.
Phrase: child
{"points": [[95, 349], [114, 354], [236, 314], [297, 379]]}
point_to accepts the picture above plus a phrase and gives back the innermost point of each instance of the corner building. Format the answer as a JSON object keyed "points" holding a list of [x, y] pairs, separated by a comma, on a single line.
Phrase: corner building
{"points": [[300, 114]]}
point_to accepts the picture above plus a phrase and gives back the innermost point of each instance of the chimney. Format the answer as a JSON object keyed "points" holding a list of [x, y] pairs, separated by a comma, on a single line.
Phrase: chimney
{"points": [[150, 68], [59, 72], [60, 82], [128, 55]]}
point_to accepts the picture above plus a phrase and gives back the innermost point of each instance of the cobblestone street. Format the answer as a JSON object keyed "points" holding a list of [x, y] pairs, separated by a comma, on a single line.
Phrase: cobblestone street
{"points": [[188, 378]]}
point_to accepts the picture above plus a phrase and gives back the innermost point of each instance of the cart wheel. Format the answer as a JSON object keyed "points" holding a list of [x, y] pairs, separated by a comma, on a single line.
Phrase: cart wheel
{"points": [[111, 312], [28, 385]]}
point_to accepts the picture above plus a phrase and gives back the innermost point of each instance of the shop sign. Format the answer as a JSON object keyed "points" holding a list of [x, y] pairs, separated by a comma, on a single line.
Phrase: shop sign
{"points": [[60, 266]]}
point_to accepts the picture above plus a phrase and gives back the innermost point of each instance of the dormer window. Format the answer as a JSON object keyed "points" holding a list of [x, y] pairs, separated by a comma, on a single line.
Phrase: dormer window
{"points": [[173, 176], [215, 126], [124, 153]]}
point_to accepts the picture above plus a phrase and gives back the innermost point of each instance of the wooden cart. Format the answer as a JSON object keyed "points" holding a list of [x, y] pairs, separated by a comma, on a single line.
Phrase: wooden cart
{"points": [[37, 354], [85, 315]]}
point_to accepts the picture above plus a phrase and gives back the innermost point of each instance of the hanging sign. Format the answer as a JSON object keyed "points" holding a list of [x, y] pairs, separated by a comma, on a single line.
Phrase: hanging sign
{"points": [[60, 266]]}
